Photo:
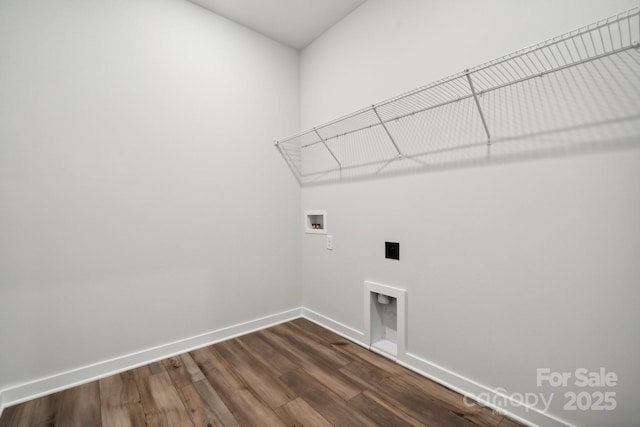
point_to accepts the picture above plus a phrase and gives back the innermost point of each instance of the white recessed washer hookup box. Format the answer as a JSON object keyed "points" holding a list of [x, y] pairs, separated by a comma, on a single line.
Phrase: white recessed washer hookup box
{"points": [[315, 222]]}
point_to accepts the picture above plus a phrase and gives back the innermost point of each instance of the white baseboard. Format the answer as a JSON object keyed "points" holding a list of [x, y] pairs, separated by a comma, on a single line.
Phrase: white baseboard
{"points": [[465, 386], [478, 392], [452, 380], [43, 386], [334, 326]]}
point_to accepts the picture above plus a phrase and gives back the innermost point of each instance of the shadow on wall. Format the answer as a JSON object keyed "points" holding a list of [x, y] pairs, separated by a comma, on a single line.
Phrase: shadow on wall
{"points": [[558, 143], [577, 93]]}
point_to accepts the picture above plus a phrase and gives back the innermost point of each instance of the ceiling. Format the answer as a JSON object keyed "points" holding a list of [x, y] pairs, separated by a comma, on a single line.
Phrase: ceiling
{"points": [[295, 23]]}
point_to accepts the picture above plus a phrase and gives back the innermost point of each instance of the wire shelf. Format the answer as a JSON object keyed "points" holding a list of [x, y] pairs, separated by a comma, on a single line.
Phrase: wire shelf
{"points": [[577, 91]]}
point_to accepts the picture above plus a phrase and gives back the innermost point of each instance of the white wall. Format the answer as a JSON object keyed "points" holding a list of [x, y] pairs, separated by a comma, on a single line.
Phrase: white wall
{"points": [[141, 199], [508, 268]]}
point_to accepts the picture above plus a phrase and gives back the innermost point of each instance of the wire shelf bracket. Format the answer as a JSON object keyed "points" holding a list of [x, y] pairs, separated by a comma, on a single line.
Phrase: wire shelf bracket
{"points": [[475, 98], [373, 107], [327, 147]]}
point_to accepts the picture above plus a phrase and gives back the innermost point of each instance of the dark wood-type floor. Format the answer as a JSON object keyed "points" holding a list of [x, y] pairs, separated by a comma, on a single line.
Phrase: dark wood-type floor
{"points": [[293, 374]]}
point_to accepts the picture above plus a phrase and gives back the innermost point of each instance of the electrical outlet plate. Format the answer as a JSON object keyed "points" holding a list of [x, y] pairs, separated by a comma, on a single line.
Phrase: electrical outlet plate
{"points": [[329, 243]]}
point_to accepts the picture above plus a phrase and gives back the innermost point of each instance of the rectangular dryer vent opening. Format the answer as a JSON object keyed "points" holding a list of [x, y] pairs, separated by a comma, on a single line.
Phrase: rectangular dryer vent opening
{"points": [[385, 308]]}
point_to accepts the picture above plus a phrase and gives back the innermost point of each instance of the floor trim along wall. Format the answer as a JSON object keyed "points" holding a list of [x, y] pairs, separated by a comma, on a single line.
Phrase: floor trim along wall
{"points": [[465, 386], [334, 326], [478, 392], [85, 374]]}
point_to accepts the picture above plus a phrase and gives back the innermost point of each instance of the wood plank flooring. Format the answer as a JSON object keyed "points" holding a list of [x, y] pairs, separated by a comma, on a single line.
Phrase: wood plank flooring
{"points": [[293, 374]]}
